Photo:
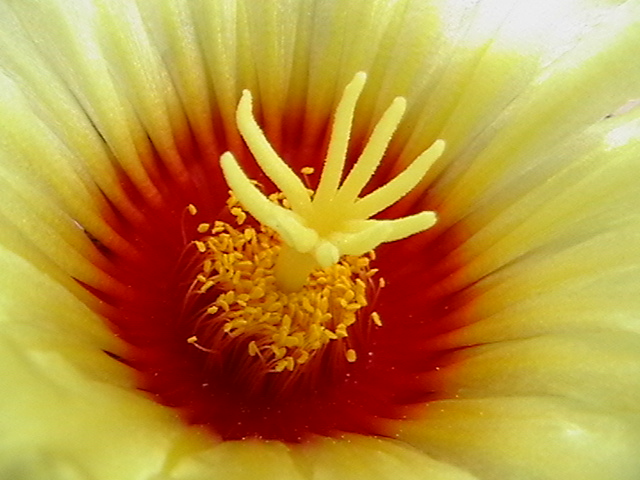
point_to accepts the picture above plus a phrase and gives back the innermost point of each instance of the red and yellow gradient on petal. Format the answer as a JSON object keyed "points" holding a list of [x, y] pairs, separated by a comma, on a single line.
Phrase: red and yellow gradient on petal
{"points": [[348, 385], [517, 312]]}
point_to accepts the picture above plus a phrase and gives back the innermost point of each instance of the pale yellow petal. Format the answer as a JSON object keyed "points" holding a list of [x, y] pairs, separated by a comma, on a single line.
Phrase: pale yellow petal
{"points": [[600, 370], [69, 34], [237, 460], [355, 457], [66, 404], [528, 438], [504, 82], [35, 226], [46, 96], [544, 112], [555, 247], [173, 30]]}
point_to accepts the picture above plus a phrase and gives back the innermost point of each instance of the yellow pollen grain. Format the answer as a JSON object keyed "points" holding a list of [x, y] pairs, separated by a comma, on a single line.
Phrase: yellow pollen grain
{"points": [[281, 330], [253, 348], [375, 318], [218, 227], [302, 359], [203, 227], [207, 266], [240, 215], [207, 285], [351, 355], [192, 209], [341, 330]]}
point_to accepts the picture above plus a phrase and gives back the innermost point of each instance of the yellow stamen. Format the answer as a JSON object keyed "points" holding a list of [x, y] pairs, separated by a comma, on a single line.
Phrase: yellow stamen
{"points": [[282, 330], [194, 341], [320, 228]]}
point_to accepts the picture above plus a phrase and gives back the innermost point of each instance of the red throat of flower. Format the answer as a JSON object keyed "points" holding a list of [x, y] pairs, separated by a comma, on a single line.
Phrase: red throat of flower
{"points": [[272, 317]]}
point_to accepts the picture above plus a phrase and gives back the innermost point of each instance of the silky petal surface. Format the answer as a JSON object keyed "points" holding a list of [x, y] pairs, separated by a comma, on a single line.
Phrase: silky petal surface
{"points": [[540, 372]]}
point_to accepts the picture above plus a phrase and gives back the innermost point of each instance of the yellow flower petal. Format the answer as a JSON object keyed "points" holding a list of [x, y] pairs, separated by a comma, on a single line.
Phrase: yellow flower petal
{"points": [[542, 185], [356, 457], [543, 113], [238, 460], [66, 405], [600, 370], [529, 437]]}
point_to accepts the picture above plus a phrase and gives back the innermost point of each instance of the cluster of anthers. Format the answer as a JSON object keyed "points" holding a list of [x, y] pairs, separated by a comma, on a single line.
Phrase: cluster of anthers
{"points": [[283, 329], [301, 279]]}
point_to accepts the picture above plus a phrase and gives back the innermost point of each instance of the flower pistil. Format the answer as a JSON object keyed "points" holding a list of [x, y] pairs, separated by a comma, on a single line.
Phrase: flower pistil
{"points": [[321, 226]]}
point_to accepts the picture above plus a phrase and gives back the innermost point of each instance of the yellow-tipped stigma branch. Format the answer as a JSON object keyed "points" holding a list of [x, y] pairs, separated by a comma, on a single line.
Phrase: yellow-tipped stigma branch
{"points": [[296, 286], [321, 227]]}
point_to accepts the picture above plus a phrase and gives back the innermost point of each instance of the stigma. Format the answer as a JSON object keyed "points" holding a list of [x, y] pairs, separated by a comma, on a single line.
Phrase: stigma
{"points": [[318, 228]]}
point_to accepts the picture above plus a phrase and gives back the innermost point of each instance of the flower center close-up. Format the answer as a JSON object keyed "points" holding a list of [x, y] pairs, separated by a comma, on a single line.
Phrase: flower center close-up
{"points": [[278, 307], [319, 239]]}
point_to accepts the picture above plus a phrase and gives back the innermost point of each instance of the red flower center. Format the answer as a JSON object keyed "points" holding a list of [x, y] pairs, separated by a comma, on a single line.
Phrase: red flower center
{"points": [[188, 360]]}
